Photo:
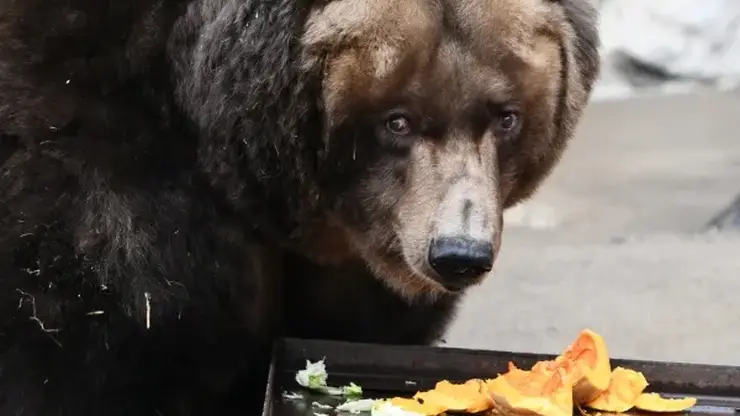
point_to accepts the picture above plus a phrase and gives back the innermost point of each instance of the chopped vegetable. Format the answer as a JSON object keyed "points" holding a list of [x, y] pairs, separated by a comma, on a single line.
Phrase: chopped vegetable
{"points": [[321, 405], [356, 406], [289, 395], [352, 390], [581, 376], [653, 402], [314, 377], [384, 408]]}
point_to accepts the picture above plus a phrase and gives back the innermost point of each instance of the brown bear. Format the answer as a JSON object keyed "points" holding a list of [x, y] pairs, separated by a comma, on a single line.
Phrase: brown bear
{"points": [[182, 181]]}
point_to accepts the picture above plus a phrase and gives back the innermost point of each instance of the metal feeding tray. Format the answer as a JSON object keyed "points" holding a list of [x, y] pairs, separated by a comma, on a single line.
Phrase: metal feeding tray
{"points": [[385, 371]]}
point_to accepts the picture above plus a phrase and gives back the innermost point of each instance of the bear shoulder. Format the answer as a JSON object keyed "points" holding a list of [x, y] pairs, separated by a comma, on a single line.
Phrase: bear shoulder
{"points": [[121, 265]]}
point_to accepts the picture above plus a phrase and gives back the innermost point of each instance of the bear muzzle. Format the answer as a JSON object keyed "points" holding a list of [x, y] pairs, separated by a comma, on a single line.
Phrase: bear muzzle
{"points": [[462, 248]]}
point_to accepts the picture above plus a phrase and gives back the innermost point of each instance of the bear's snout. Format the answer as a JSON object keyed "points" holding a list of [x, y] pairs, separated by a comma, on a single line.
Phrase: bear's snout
{"points": [[459, 262], [462, 246]]}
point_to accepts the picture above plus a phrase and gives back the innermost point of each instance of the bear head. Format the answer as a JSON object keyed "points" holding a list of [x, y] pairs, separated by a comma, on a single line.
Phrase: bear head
{"points": [[390, 132]]}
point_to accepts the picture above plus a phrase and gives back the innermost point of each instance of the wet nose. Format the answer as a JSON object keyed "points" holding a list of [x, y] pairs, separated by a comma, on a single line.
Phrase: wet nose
{"points": [[458, 260]]}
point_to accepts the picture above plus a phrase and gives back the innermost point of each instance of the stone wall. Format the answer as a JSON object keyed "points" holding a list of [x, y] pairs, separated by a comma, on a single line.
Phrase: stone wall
{"points": [[663, 46]]}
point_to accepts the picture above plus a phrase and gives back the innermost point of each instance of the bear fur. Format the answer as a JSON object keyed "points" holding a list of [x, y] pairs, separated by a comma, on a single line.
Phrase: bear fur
{"points": [[182, 181]]}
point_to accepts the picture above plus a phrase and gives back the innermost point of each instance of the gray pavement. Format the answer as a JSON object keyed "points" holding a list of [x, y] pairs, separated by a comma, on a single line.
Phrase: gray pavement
{"points": [[612, 240]]}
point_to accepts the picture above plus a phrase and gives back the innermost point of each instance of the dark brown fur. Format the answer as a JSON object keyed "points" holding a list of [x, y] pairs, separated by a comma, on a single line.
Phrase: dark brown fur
{"points": [[444, 61], [183, 180]]}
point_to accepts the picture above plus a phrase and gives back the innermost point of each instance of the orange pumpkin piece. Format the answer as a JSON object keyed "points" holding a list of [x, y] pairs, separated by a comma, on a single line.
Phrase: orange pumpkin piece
{"points": [[652, 402], [471, 397], [581, 374], [587, 363], [624, 388], [520, 392], [411, 405]]}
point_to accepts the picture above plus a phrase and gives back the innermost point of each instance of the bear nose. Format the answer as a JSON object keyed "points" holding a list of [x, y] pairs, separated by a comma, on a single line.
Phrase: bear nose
{"points": [[459, 260]]}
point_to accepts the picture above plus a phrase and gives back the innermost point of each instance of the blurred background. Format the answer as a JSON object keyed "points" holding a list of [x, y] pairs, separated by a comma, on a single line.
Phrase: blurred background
{"points": [[636, 235]]}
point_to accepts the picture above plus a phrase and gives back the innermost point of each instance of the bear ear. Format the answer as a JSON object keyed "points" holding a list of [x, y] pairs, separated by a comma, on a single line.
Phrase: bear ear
{"points": [[583, 18]]}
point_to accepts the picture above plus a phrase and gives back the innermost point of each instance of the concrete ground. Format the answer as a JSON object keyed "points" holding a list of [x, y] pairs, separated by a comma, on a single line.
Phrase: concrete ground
{"points": [[614, 240]]}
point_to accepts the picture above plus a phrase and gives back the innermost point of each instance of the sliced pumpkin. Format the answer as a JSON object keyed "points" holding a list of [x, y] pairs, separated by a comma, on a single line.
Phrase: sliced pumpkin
{"points": [[411, 405], [624, 388], [586, 361], [652, 402], [471, 397], [520, 392], [581, 375]]}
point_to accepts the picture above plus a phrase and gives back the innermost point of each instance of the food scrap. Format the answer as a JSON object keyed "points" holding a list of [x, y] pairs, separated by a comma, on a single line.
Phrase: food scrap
{"points": [[356, 406], [385, 408], [581, 377], [625, 386], [541, 393], [314, 377], [651, 401]]}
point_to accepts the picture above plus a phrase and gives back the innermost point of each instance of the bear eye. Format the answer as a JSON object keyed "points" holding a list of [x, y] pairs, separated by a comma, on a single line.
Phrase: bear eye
{"points": [[398, 125], [507, 121]]}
